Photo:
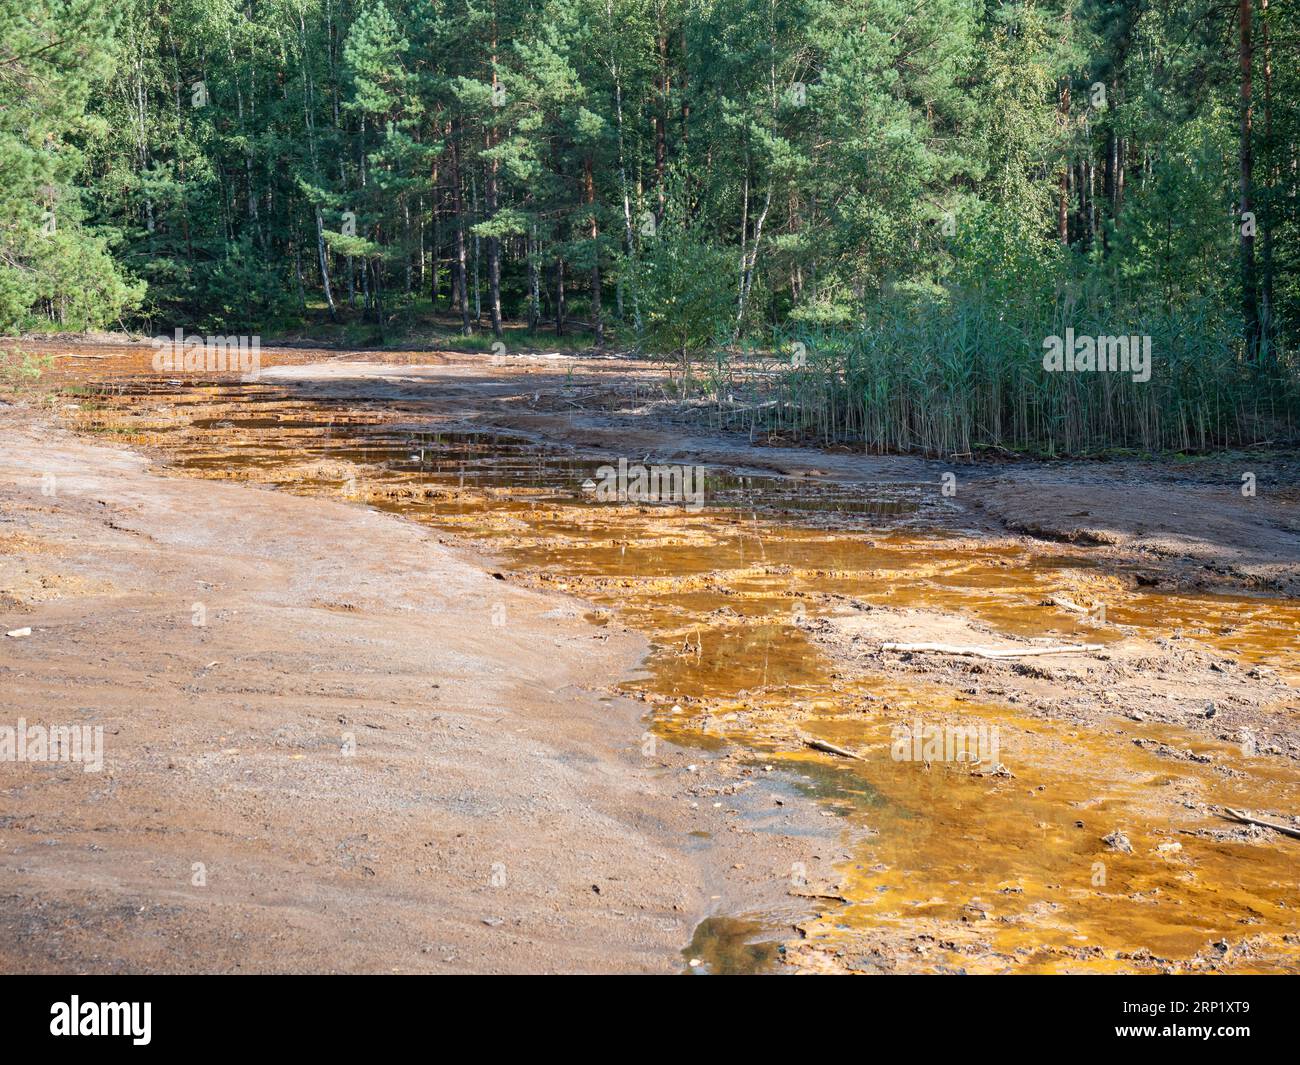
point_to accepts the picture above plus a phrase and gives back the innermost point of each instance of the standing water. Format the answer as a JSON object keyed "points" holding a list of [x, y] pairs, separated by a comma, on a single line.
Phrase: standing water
{"points": [[997, 869]]}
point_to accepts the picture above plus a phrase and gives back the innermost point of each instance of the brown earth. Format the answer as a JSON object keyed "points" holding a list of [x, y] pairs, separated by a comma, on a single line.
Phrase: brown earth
{"points": [[498, 812], [1174, 680], [1193, 519], [1146, 733]]}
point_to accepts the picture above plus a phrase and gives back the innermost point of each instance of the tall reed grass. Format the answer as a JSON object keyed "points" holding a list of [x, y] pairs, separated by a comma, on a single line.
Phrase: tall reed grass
{"points": [[953, 376]]}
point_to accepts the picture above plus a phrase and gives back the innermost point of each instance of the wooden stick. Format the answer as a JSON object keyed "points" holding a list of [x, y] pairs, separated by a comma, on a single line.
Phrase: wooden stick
{"points": [[829, 896], [992, 652], [829, 748], [1246, 817]]}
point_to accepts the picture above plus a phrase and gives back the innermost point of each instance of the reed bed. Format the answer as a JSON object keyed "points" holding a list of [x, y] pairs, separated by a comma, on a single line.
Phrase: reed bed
{"points": [[955, 376]]}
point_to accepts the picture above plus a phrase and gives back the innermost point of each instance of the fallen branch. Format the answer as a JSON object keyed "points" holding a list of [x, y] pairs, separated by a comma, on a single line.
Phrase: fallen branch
{"points": [[1245, 817], [830, 748], [829, 896], [992, 652]]}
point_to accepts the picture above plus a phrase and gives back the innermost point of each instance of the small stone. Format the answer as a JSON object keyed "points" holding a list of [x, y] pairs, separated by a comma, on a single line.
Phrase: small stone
{"points": [[1117, 841]]}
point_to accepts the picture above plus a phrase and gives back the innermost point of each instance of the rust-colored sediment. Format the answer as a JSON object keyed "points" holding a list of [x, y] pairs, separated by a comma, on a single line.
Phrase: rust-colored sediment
{"points": [[992, 869]]}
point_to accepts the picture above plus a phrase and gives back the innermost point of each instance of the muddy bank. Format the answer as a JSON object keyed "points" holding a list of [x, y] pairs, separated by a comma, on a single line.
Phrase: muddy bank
{"points": [[1225, 522], [749, 603], [1108, 774], [1130, 677], [333, 744], [1101, 816]]}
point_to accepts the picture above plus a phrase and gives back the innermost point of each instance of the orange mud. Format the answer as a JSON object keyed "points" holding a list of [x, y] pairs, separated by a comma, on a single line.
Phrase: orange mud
{"points": [[991, 869]]}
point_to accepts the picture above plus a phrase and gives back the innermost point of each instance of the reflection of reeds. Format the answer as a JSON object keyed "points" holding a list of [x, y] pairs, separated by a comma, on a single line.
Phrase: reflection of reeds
{"points": [[947, 377]]}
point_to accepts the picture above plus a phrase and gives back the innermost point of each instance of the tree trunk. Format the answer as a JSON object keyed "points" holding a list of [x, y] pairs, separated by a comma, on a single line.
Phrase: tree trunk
{"points": [[437, 239], [559, 297], [534, 283], [1249, 293], [1271, 180], [490, 194], [324, 266], [622, 177], [494, 253], [458, 202], [1063, 191], [661, 123], [478, 292], [597, 318], [747, 278]]}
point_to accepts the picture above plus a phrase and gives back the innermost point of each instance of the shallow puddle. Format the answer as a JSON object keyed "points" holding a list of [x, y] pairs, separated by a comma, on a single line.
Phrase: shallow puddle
{"points": [[949, 869], [731, 946]]}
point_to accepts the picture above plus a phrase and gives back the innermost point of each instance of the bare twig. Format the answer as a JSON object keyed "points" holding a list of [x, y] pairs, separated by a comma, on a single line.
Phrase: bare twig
{"points": [[992, 652], [1246, 817], [830, 748]]}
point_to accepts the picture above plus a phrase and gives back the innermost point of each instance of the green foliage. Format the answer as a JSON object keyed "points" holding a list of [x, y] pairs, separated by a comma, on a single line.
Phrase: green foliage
{"points": [[53, 270], [1171, 249], [954, 373], [20, 369], [685, 285], [961, 173]]}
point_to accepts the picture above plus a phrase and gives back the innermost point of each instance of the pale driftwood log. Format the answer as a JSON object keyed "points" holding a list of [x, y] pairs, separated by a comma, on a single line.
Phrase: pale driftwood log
{"points": [[829, 748], [1246, 817], [992, 652]]}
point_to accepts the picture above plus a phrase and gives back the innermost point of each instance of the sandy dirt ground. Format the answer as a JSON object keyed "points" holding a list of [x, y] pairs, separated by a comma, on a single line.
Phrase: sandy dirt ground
{"points": [[331, 744], [484, 750], [1230, 521]]}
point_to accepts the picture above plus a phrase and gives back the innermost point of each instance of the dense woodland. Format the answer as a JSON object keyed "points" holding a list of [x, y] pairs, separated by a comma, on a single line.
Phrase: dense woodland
{"points": [[914, 193]]}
